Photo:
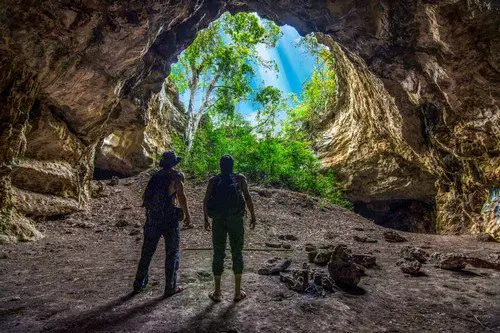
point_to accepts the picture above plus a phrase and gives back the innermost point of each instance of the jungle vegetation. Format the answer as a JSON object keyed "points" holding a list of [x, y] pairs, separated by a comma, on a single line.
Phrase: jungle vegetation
{"points": [[217, 72]]}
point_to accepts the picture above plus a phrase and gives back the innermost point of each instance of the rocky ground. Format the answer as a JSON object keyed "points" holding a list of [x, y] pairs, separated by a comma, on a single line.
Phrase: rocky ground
{"points": [[78, 278]]}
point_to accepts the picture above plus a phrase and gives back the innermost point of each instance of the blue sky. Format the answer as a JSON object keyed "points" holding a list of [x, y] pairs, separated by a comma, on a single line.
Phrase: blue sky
{"points": [[295, 65]]}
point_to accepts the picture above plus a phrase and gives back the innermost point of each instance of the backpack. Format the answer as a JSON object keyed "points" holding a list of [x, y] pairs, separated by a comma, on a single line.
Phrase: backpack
{"points": [[156, 199], [226, 198]]}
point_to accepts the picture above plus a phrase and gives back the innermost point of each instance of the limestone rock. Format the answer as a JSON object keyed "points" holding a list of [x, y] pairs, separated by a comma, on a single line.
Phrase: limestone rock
{"points": [[322, 257], [274, 266], [342, 269], [37, 204], [411, 267], [393, 237], [414, 253], [135, 146], [365, 260], [452, 261]]}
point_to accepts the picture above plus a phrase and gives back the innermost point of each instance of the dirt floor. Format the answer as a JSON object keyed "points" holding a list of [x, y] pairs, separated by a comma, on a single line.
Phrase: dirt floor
{"points": [[79, 277]]}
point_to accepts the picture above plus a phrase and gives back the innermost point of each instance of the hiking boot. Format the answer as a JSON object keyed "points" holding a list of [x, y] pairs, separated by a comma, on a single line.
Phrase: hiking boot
{"points": [[140, 287]]}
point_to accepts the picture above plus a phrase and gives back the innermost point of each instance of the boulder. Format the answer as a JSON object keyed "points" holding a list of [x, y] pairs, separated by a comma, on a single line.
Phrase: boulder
{"points": [[342, 268], [414, 253], [411, 267], [365, 260], [452, 261], [322, 257], [393, 237]]}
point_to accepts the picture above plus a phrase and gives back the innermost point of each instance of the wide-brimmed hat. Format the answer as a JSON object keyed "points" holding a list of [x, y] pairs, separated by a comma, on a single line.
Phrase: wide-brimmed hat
{"points": [[169, 159]]}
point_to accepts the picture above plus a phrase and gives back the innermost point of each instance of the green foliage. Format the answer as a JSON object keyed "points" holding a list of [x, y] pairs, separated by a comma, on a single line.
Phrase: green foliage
{"points": [[278, 161], [319, 94], [217, 68]]}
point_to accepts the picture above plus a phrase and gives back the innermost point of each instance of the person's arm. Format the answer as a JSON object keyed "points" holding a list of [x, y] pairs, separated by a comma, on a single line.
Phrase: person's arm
{"points": [[181, 196], [248, 201], [210, 186]]}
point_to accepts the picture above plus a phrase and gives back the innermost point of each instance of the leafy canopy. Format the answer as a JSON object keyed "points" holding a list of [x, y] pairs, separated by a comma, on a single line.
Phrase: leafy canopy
{"points": [[218, 68], [319, 95]]}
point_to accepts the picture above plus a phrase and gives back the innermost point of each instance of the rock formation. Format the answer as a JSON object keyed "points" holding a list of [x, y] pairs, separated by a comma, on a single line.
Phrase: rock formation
{"points": [[416, 127], [134, 144]]}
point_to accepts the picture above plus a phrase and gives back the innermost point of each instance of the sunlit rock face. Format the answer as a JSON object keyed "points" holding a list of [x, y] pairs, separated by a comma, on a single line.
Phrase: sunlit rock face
{"points": [[134, 146], [425, 129]]}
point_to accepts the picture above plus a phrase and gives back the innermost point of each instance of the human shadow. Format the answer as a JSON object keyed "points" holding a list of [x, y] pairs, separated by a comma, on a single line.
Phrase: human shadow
{"points": [[217, 323], [102, 317]]}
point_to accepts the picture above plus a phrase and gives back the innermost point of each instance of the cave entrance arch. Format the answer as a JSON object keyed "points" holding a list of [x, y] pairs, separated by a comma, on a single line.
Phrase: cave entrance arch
{"points": [[408, 122], [392, 190]]}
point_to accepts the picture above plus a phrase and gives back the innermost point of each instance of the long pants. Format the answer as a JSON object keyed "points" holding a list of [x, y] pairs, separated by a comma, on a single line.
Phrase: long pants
{"points": [[153, 230], [221, 228]]}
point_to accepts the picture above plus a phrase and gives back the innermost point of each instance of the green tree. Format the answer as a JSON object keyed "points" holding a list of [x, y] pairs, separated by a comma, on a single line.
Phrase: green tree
{"points": [[217, 68], [319, 95]]}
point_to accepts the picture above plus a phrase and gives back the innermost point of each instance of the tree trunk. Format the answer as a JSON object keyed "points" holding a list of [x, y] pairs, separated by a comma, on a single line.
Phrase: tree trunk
{"points": [[194, 118]]}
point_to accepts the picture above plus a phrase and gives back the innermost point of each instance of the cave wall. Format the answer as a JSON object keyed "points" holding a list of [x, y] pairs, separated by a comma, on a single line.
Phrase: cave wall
{"points": [[134, 144], [93, 68], [362, 140]]}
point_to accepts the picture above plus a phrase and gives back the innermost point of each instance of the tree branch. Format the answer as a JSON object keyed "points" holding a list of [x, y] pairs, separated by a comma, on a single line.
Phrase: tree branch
{"points": [[209, 90]]}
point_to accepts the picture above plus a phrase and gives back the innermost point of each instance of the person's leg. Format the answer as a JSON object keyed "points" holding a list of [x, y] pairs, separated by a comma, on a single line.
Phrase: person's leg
{"points": [[236, 240], [219, 239], [172, 255], [151, 237]]}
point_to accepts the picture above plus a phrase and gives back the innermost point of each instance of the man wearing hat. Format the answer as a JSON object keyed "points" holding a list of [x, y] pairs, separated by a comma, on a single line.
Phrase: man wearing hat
{"points": [[162, 219]]}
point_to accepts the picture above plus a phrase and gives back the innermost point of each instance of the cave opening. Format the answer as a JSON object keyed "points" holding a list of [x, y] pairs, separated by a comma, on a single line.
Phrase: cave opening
{"points": [[271, 110], [255, 90]]}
